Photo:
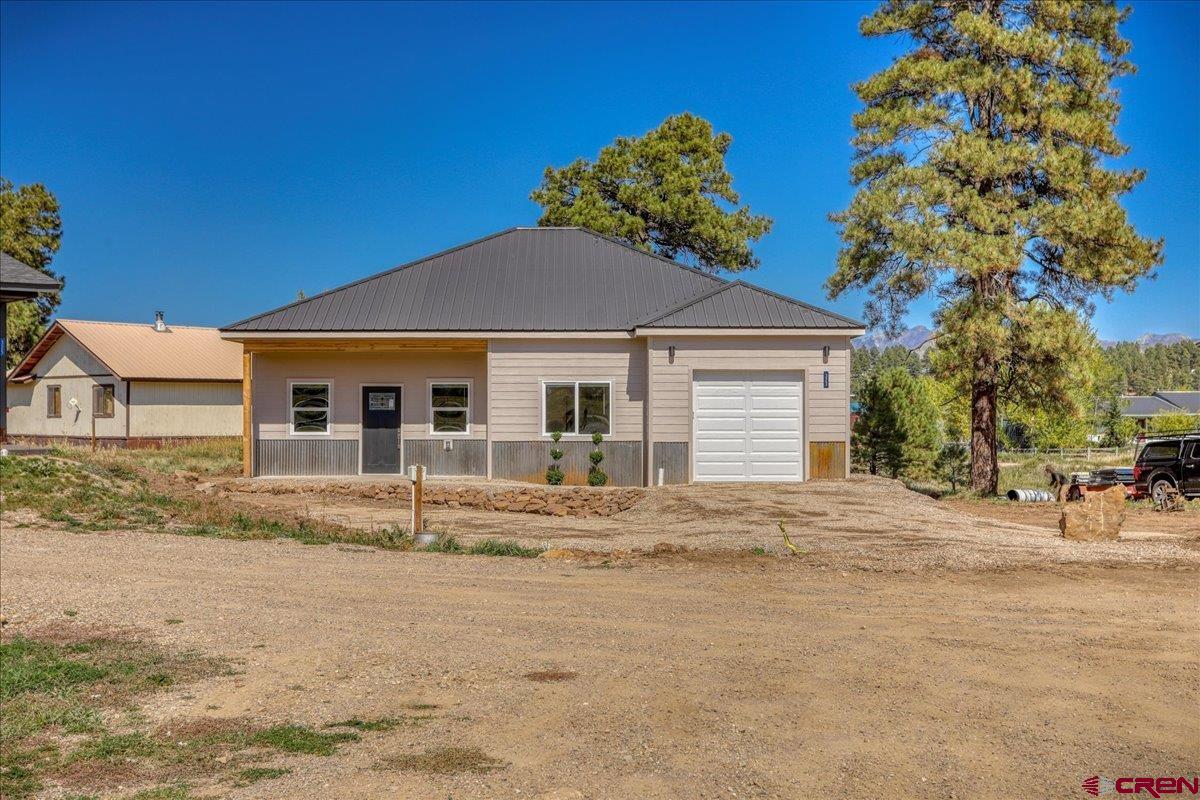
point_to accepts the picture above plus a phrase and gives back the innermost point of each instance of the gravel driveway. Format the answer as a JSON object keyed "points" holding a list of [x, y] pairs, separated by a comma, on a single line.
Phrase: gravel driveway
{"points": [[747, 677]]}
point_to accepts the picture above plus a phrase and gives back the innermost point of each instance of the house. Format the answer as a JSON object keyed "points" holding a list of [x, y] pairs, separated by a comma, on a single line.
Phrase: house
{"points": [[1141, 408], [467, 360], [130, 384], [18, 281]]}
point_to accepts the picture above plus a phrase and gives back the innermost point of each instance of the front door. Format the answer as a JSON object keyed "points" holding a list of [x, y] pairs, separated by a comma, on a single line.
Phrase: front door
{"points": [[381, 429]]}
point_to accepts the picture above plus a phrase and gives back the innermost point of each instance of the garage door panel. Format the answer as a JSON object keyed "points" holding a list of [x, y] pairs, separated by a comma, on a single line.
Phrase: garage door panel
{"points": [[748, 426], [781, 470], [715, 425], [760, 446], [775, 425]]}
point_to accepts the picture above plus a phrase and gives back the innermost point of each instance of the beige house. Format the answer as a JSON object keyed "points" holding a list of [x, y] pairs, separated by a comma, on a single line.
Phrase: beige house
{"points": [[126, 383], [467, 361]]}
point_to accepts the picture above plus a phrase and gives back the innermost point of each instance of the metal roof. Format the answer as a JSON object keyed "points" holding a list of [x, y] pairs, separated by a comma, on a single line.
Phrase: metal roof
{"points": [[743, 305], [1142, 405], [1188, 402], [522, 279], [18, 280], [133, 351]]}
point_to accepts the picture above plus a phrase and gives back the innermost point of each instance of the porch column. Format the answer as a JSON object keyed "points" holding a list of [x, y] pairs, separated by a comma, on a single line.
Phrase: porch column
{"points": [[247, 415]]}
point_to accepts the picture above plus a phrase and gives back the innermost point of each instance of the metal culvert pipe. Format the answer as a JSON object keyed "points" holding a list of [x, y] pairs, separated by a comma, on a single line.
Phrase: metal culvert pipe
{"points": [[1030, 495]]}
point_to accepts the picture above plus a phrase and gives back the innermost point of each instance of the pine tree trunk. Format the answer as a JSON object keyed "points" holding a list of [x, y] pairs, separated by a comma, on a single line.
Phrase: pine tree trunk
{"points": [[985, 473]]}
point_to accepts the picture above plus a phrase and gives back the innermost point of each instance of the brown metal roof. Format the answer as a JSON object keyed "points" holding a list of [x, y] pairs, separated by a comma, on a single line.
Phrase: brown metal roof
{"points": [[135, 351]]}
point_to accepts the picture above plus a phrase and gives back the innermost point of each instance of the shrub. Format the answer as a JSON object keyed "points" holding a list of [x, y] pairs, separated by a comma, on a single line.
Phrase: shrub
{"points": [[596, 476], [554, 473], [953, 464]]}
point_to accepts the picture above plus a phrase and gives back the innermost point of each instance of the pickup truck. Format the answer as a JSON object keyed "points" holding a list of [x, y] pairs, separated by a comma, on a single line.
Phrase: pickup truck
{"points": [[1168, 462]]}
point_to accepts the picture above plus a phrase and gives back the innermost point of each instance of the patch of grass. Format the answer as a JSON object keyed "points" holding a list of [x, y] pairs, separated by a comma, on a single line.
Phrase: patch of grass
{"points": [[445, 761], [96, 493], [445, 543], [209, 457], [758, 550], [255, 774], [173, 621], [498, 547], [301, 739], [61, 682]]}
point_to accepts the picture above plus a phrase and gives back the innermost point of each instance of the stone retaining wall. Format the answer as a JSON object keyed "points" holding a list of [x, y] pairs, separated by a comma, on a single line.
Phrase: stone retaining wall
{"points": [[558, 501]]}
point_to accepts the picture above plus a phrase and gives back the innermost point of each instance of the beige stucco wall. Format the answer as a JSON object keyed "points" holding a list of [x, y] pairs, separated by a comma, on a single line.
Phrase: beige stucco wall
{"points": [[70, 366], [826, 411], [178, 408], [348, 371], [518, 367]]}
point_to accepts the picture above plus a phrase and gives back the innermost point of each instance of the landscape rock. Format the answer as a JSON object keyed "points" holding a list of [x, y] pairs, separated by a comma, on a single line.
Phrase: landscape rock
{"points": [[1096, 518]]}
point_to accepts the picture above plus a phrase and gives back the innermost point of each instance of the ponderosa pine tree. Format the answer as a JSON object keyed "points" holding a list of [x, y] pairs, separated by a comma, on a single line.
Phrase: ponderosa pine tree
{"points": [[30, 231], [979, 161], [667, 192]]}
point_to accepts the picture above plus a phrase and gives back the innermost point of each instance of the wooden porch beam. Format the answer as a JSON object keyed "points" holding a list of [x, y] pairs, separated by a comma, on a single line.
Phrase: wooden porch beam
{"points": [[247, 415]]}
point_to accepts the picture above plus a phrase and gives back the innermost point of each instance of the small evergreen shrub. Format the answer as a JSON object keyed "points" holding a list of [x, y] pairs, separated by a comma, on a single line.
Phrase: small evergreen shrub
{"points": [[554, 473], [596, 476]]}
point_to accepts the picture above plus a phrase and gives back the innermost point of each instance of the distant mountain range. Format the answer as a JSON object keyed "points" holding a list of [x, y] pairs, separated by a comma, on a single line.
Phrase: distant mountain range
{"points": [[913, 338], [919, 338]]}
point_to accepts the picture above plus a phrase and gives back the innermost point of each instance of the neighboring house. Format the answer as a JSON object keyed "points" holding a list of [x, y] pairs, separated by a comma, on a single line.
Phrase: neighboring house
{"points": [[139, 384], [1141, 408], [18, 281], [466, 362]]}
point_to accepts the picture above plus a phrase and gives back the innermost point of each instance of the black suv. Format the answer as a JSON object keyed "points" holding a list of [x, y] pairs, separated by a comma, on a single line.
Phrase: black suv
{"points": [[1168, 462]]}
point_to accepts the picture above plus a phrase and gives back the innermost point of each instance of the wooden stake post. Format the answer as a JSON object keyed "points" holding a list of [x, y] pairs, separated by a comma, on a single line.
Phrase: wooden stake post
{"points": [[417, 473]]}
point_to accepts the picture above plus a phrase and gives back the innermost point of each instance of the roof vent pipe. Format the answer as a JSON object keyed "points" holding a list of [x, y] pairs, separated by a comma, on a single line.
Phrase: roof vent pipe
{"points": [[159, 324]]}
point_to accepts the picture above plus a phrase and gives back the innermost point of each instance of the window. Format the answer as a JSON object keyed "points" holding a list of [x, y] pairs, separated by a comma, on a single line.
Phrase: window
{"points": [[53, 401], [103, 400], [450, 407], [576, 407], [1160, 451], [310, 406]]}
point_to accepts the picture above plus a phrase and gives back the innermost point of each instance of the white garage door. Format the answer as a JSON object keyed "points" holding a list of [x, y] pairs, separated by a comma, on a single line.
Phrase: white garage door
{"points": [[747, 426]]}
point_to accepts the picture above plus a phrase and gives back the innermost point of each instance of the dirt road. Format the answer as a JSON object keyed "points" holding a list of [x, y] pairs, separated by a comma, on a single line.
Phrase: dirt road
{"points": [[757, 677]]}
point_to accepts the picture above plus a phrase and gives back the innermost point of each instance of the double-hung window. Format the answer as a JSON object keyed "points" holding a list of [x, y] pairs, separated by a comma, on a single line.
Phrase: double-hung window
{"points": [[450, 407], [577, 407], [310, 405], [54, 401], [104, 400]]}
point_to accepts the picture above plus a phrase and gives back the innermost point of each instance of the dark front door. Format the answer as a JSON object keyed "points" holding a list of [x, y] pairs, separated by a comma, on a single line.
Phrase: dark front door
{"points": [[381, 429]]}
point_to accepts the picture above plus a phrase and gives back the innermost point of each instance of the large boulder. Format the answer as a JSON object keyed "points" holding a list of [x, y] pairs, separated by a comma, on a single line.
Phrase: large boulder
{"points": [[1095, 518]]}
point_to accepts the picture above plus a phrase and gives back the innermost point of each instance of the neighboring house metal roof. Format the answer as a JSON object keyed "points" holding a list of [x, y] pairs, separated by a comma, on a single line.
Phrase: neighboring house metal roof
{"points": [[1149, 405], [743, 305], [133, 351], [1187, 402], [18, 280], [524, 279]]}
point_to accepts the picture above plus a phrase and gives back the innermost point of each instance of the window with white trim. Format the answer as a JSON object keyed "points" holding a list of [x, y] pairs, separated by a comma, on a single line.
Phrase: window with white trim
{"points": [[310, 404], [450, 407], [577, 407]]}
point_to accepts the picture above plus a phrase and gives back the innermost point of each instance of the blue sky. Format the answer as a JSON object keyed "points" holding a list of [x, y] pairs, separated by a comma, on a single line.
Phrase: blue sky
{"points": [[211, 160]]}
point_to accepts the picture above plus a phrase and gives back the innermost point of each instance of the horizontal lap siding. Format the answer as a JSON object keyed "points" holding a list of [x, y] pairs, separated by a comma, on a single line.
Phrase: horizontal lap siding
{"points": [[177, 408], [827, 411], [412, 370], [519, 366]]}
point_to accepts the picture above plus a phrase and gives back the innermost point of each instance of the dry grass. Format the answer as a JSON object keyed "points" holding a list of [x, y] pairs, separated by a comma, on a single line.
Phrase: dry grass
{"points": [[445, 761]]}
